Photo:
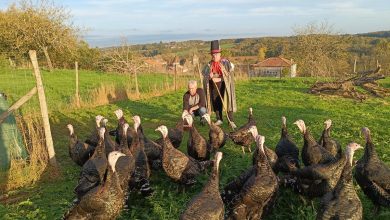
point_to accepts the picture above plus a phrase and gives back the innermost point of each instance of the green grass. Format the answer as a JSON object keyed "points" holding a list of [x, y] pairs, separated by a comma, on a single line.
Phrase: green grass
{"points": [[270, 99], [60, 84]]}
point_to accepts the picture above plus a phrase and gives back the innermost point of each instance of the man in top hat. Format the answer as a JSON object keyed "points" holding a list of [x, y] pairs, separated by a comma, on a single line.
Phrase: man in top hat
{"points": [[218, 77]]}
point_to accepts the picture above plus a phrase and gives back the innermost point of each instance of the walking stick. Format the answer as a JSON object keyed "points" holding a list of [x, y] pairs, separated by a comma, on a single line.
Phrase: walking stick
{"points": [[223, 105]]}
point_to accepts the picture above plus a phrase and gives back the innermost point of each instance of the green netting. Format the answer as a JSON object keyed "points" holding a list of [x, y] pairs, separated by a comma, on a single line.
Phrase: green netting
{"points": [[11, 144]]}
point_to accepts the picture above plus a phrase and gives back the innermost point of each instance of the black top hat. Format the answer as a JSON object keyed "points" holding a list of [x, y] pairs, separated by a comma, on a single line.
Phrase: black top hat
{"points": [[215, 48]]}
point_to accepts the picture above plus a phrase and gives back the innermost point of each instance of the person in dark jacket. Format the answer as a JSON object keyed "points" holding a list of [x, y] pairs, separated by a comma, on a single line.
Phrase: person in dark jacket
{"points": [[218, 79], [194, 100]]}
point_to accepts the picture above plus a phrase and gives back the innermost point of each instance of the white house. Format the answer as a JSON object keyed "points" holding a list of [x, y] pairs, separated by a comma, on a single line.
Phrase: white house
{"points": [[274, 66]]}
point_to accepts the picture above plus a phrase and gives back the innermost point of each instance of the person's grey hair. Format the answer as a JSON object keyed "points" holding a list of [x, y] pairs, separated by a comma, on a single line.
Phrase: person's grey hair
{"points": [[192, 82]]}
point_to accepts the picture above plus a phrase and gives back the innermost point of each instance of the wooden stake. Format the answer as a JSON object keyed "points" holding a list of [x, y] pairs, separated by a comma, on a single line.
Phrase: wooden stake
{"points": [[17, 104], [354, 66], [43, 106], [136, 83], [77, 95], [175, 76]]}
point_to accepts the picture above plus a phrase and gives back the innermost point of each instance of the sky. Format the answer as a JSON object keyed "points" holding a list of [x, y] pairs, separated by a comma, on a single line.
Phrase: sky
{"points": [[108, 22]]}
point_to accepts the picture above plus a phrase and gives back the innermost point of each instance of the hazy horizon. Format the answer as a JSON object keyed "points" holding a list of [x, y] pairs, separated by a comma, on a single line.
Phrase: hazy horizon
{"points": [[146, 21]]}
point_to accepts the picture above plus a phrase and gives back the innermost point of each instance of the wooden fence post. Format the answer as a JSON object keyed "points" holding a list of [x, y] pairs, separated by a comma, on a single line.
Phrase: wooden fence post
{"points": [[77, 95], [175, 76], [136, 83], [43, 106]]}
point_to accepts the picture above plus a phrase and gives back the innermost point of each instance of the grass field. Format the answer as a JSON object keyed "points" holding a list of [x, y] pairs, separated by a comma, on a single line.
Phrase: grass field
{"points": [[270, 99]]}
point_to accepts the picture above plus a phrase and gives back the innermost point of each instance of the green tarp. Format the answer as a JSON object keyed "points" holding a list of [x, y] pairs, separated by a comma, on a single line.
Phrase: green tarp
{"points": [[11, 144]]}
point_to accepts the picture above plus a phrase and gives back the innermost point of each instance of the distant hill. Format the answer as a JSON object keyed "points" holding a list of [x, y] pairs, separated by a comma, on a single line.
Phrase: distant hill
{"points": [[382, 34]]}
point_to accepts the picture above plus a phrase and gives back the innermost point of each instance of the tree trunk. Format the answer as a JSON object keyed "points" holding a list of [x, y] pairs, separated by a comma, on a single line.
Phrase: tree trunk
{"points": [[49, 63]]}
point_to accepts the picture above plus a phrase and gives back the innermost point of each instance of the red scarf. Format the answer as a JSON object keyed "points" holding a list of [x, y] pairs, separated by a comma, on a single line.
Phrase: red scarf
{"points": [[216, 68]]}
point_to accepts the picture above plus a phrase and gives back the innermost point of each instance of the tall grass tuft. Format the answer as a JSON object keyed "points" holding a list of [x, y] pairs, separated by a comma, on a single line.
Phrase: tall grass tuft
{"points": [[24, 172]]}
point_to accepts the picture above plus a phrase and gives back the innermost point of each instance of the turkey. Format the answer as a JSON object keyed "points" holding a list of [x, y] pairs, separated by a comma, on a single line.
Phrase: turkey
{"points": [[94, 136], [343, 202], [271, 155], [217, 137], [197, 146], [110, 144], [315, 180], [208, 203], [93, 170], [175, 134], [104, 201], [140, 178], [178, 166], [125, 165], [259, 192], [241, 136], [117, 133], [152, 150], [79, 152], [287, 151], [328, 143], [312, 152], [372, 175]]}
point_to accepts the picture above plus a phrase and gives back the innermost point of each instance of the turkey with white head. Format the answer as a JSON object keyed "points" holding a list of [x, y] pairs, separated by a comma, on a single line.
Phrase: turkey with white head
{"points": [[105, 201], [327, 142], [178, 166], [208, 203], [312, 152], [79, 151], [343, 202]]}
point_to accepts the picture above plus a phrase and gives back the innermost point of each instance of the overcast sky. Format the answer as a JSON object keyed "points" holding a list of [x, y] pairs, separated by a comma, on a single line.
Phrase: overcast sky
{"points": [[144, 21]]}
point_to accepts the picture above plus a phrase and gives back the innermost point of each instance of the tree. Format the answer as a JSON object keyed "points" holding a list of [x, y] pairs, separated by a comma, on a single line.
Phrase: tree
{"points": [[39, 25], [320, 50], [262, 52], [123, 60]]}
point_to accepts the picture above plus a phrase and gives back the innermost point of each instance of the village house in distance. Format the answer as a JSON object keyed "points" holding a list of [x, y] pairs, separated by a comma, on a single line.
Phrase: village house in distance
{"points": [[274, 66]]}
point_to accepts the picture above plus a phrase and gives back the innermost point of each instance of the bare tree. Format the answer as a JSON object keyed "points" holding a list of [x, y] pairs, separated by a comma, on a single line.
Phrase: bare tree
{"points": [[123, 60]]}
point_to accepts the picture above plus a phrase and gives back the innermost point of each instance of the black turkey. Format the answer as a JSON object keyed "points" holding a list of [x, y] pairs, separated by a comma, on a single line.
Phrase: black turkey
{"points": [[152, 150], [343, 202], [328, 143], [315, 180], [372, 175], [241, 136], [140, 178], [79, 151], [287, 151], [175, 134], [217, 137], [312, 152], [117, 133], [125, 165], [93, 138], [110, 144], [271, 155], [178, 166], [208, 203], [92, 172], [197, 146], [259, 192], [105, 201]]}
